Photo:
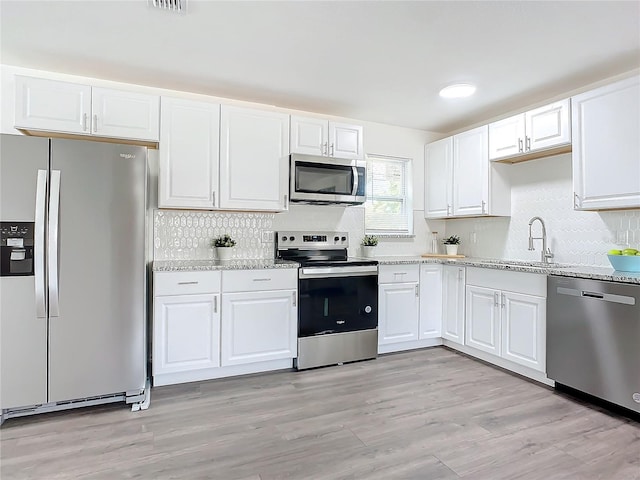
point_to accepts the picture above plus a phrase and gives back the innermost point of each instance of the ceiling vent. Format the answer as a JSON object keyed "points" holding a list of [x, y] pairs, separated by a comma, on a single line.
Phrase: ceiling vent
{"points": [[176, 6]]}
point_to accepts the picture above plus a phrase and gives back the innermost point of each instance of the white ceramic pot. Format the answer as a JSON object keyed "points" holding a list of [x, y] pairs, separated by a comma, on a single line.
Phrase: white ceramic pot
{"points": [[368, 251], [224, 253], [452, 249]]}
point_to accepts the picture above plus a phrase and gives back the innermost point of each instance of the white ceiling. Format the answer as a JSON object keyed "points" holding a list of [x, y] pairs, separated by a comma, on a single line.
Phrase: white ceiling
{"points": [[382, 61]]}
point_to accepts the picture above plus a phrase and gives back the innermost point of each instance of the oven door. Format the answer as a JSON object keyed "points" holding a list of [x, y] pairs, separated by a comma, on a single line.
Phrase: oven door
{"points": [[318, 181], [337, 299]]}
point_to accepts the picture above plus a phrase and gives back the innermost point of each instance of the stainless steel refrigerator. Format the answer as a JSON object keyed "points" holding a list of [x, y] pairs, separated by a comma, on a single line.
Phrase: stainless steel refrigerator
{"points": [[73, 281]]}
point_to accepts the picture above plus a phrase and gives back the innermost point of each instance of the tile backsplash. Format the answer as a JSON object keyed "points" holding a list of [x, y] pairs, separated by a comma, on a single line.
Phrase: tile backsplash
{"points": [[187, 235], [544, 188]]}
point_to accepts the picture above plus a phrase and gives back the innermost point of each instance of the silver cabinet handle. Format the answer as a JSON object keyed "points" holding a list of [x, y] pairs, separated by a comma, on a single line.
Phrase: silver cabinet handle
{"points": [[293, 295], [576, 201], [483, 205], [448, 207], [286, 202], [520, 145], [261, 279], [188, 283], [495, 299], [528, 144], [325, 148], [417, 290], [54, 215], [459, 274], [213, 194], [95, 123], [84, 122], [38, 250], [503, 302], [215, 304], [331, 151], [399, 273]]}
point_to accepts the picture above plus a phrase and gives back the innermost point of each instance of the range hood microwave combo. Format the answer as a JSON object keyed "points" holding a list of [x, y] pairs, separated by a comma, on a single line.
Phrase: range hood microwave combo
{"points": [[326, 181]]}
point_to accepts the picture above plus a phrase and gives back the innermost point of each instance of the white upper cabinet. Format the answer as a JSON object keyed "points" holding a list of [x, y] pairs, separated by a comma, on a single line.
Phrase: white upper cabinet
{"points": [[54, 106], [254, 150], [189, 153], [315, 136], [606, 149], [460, 181], [438, 170], [538, 130]]}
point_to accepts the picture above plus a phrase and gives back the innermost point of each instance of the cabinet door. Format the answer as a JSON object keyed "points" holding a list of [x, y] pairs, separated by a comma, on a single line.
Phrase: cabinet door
{"points": [[309, 135], [430, 325], [483, 319], [506, 137], [548, 126], [121, 114], [605, 126], [398, 312], [453, 303], [471, 172], [52, 106], [345, 141], [186, 333], [189, 152], [438, 172], [523, 329], [258, 326], [254, 149]]}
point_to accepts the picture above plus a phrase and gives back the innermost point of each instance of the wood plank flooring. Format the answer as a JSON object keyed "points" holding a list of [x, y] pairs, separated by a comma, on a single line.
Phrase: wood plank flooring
{"points": [[427, 414]]}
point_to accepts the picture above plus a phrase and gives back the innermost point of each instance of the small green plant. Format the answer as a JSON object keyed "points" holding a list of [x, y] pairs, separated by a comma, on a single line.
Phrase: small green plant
{"points": [[369, 241], [452, 240], [223, 241]]}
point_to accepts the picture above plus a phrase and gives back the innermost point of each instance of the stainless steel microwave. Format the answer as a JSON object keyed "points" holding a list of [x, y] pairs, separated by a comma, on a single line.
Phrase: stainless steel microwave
{"points": [[324, 180]]}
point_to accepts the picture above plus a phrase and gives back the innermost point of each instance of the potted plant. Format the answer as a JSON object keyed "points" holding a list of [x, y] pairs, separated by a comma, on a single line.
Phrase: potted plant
{"points": [[223, 245], [451, 244], [369, 243]]}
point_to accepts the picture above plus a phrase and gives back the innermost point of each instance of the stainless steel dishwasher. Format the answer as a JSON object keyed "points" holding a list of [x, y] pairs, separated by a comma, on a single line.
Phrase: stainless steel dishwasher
{"points": [[593, 338]]}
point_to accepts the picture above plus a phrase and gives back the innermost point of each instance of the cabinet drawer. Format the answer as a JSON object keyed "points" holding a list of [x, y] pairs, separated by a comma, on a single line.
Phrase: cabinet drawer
{"points": [[256, 280], [180, 283], [398, 273], [520, 282]]}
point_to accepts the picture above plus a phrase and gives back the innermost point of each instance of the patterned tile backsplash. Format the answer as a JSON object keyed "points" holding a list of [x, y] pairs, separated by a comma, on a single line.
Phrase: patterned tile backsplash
{"points": [[544, 188], [187, 235]]}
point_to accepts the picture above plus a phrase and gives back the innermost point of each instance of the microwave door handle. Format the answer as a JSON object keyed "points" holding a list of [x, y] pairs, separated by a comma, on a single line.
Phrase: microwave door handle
{"points": [[355, 181]]}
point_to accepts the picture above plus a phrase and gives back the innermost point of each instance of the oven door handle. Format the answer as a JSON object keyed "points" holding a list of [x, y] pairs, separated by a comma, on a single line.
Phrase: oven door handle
{"points": [[327, 272]]}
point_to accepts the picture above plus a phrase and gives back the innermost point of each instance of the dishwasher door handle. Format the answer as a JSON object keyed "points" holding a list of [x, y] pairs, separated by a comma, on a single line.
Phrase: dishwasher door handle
{"points": [[605, 297]]}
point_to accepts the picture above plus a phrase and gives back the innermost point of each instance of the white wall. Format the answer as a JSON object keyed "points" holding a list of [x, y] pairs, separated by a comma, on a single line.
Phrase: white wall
{"points": [[544, 188]]}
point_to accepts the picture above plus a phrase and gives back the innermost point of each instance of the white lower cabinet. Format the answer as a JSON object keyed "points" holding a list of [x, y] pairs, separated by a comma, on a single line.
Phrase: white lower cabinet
{"points": [[186, 333], [258, 326], [506, 315], [430, 324], [453, 303], [398, 312]]}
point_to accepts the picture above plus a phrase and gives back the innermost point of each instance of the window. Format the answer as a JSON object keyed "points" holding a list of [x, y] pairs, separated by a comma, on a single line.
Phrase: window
{"points": [[388, 209]]}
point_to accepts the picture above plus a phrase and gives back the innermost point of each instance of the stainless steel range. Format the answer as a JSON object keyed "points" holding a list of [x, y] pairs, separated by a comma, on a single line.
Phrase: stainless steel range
{"points": [[338, 299]]}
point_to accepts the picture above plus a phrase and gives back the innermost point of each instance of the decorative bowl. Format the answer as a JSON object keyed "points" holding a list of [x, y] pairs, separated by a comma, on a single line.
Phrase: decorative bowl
{"points": [[625, 263]]}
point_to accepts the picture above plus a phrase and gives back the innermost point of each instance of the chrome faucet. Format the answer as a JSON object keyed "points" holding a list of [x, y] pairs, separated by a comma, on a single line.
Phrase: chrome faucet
{"points": [[546, 252]]}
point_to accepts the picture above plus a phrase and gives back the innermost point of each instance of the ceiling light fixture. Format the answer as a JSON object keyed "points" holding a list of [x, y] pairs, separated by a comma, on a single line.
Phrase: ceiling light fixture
{"points": [[458, 90]]}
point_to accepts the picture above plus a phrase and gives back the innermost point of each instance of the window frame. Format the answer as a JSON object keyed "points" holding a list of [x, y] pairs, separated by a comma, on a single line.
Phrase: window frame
{"points": [[406, 200]]}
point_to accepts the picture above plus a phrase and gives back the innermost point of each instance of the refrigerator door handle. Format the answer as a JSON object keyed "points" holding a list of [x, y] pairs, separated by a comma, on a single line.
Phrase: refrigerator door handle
{"points": [[54, 212], [38, 253]]}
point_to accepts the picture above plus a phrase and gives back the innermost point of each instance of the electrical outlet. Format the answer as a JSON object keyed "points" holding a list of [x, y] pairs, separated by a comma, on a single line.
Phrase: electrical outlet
{"points": [[267, 237]]}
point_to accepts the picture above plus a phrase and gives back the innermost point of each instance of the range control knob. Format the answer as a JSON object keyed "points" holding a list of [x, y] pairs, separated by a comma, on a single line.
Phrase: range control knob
{"points": [[292, 238], [335, 239], [367, 309], [344, 239], [284, 239]]}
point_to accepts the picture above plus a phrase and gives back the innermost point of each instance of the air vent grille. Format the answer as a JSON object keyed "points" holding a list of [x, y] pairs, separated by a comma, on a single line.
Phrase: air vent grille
{"points": [[177, 6]]}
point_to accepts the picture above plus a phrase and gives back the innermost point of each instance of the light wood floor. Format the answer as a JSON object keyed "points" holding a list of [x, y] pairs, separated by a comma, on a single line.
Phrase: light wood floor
{"points": [[428, 414]]}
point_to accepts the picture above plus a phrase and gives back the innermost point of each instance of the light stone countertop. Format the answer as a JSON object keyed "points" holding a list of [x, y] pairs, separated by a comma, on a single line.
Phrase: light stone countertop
{"points": [[594, 273], [234, 264]]}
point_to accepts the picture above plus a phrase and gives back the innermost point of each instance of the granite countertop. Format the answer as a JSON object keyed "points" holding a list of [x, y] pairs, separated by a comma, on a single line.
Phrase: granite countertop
{"points": [[594, 273], [235, 264]]}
